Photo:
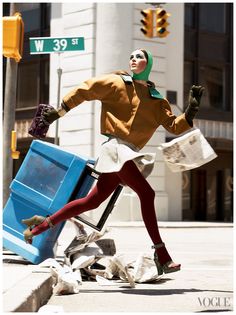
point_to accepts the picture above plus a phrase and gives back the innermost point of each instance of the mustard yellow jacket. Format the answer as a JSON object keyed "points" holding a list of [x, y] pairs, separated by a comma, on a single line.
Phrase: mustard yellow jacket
{"points": [[128, 112]]}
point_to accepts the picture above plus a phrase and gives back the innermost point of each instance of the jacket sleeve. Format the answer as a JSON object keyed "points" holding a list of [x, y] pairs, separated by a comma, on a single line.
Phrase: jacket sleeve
{"points": [[174, 124], [97, 88]]}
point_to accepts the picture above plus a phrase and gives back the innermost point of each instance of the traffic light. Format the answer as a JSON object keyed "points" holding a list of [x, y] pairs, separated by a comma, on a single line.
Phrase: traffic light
{"points": [[13, 36], [147, 22], [161, 23]]}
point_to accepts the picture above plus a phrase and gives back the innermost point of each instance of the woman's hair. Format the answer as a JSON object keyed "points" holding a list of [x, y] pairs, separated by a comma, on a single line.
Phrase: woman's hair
{"points": [[145, 54]]}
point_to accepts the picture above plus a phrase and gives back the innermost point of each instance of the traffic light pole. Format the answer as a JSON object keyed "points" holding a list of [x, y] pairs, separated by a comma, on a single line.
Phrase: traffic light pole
{"points": [[59, 74], [9, 119]]}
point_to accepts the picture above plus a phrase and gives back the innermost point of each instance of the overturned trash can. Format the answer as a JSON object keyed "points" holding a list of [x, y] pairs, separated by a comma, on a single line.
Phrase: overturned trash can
{"points": [[48, 178]]}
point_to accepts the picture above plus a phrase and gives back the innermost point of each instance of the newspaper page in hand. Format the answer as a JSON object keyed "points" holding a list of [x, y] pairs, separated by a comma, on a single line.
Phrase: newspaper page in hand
{"points": [[187, 152]]}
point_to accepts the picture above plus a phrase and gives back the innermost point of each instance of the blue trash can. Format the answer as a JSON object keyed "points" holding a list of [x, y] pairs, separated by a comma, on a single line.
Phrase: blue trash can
{"points": [[44, 183]]}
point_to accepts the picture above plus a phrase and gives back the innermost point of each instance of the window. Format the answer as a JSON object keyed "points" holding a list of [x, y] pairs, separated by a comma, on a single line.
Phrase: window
{"points": [[30, 90], [188, 78], [33, 70], [213, 79], [212, 17], [27, 89], [31, 16], [189, 15], [36, 16], [209, 56]]}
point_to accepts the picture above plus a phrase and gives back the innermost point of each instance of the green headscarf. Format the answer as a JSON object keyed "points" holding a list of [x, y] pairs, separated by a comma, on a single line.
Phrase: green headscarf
{"points": [[144, 75]]}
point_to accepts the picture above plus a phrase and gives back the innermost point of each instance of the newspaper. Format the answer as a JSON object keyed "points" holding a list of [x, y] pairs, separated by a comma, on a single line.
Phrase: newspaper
{"points": [[187, 152], [81, 263]]}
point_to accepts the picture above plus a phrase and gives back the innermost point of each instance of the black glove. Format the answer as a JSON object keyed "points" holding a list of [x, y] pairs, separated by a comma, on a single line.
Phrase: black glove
{"points": [[195, 95], [50, 115]]}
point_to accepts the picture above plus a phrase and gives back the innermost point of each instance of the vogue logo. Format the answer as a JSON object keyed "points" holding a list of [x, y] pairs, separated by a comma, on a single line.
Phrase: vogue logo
{"points": [[215, 301]]}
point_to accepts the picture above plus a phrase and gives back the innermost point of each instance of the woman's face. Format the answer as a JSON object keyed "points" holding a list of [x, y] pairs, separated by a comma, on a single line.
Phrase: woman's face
{"points": [[137, 61]]}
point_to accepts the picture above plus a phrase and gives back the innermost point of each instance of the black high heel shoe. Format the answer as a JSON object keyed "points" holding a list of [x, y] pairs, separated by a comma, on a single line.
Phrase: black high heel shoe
{"points": [[31, 222], [168, 267]]}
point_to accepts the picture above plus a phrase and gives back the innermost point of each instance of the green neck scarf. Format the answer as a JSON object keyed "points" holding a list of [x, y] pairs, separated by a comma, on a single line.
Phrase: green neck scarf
{"points": [[144, 75]]}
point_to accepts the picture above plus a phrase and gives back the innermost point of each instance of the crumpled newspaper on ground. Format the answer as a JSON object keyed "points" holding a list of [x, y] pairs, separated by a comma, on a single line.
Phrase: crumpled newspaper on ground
{"points": [[81, 263], [142, 270], [66, 280]]}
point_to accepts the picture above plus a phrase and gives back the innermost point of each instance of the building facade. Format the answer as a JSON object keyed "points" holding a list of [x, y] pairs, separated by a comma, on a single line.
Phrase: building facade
{"points": [[197, 51]]}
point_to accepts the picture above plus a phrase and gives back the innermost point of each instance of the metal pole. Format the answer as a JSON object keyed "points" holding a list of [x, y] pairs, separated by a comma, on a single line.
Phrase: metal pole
{"points": [[9, 119], [59, 74]]}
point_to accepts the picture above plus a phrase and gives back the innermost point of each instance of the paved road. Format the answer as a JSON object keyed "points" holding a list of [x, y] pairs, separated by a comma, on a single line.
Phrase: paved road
{"points": [[205, 282]]}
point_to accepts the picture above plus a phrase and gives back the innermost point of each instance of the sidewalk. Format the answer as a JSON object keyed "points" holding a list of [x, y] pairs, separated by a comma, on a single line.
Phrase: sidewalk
{"points": [[26, 288]]}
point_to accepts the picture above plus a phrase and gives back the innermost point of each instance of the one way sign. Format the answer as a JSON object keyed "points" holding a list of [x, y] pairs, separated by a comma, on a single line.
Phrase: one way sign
{"points": [[47, 45]]}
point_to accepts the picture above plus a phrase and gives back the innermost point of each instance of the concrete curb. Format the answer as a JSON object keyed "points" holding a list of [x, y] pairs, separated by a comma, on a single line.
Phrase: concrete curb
{"points": [[30, 294]]}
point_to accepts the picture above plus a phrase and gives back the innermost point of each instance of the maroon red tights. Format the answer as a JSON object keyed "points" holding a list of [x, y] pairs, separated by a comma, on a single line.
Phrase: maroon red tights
{"points": [[106, 184]]}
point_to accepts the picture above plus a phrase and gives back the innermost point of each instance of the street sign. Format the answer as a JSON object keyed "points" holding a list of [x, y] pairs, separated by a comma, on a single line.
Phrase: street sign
{"points": [[47, 45]]}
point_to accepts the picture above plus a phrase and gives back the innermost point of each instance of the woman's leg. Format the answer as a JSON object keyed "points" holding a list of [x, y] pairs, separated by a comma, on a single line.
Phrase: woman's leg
{"points": [[106, 184], [131, 176]]}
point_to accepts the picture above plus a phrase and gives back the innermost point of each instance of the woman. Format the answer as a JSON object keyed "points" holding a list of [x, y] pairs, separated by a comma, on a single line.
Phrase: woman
{"points": [[132, 109]]}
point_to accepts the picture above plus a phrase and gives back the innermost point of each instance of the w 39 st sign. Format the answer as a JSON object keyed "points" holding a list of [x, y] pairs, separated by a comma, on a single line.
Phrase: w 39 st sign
{"points": [[47, 45]]}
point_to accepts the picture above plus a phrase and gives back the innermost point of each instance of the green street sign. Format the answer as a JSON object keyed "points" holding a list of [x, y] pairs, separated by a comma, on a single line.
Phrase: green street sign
{"points": [[47, 45]]}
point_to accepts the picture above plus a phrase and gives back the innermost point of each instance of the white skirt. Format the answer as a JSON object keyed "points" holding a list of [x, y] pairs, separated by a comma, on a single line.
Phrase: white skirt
{"points": [[115, 152]]}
